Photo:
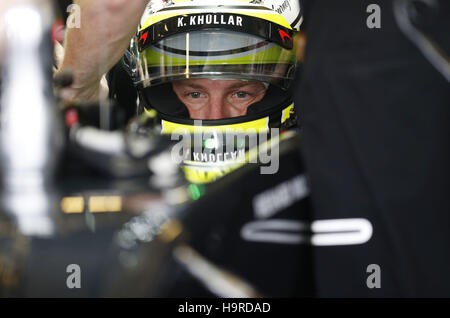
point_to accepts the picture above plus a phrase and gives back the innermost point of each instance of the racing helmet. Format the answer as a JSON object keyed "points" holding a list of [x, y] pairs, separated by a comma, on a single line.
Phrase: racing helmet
{"points": [[219, 40]]}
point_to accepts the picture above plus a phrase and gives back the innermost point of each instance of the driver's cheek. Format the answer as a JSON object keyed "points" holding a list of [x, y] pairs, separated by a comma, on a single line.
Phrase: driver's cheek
{"points": [[198, 108], [198, 112], [238, 106], [217, 107]]}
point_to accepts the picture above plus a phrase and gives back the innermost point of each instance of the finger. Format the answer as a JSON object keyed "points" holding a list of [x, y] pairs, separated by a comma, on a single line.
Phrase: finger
{"points": [[59, 54]]}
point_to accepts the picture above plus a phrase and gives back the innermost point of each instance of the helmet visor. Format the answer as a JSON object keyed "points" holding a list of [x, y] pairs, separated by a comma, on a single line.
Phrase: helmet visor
{"points": [[217, 54]]}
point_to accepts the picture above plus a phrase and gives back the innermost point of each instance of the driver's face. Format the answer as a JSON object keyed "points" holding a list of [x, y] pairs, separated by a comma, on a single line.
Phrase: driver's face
{"points": [[218, 99]]}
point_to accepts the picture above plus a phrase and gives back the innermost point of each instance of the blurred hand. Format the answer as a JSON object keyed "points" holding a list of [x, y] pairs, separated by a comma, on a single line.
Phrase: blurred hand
{"points": [[96, 93], [91, 50]]}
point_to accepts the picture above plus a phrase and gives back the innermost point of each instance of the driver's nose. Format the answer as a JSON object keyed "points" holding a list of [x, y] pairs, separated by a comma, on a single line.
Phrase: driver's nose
{"points": [[216, 108]]}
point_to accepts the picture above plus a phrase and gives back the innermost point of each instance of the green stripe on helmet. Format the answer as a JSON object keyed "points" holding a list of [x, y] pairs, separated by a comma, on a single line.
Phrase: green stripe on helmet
{"points": [[274, 54]]}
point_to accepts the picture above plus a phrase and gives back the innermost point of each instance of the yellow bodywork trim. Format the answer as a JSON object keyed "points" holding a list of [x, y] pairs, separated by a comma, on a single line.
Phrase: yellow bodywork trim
{"points": [[72, 205], [103, 204]]}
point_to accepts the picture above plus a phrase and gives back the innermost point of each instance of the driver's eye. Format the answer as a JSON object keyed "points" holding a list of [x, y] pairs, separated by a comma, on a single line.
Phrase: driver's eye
{"points": [[241, 94], [195, 95]]}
